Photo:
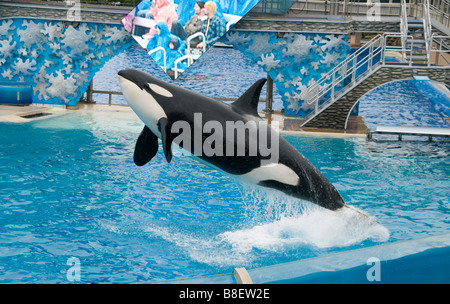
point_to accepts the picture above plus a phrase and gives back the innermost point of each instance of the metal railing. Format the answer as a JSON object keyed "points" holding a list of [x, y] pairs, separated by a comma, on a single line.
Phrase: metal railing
{"points": [[160, 49], [404, 24], [359, 66], [427, 29]]}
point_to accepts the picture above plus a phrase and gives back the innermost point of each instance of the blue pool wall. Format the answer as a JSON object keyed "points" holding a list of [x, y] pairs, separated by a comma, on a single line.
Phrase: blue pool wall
{"points": [[419, 261], [58, 59], [437, 92], [294, 61]]}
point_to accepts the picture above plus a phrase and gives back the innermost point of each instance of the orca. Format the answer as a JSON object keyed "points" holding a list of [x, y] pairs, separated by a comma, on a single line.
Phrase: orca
{"points": [[161, 106]]}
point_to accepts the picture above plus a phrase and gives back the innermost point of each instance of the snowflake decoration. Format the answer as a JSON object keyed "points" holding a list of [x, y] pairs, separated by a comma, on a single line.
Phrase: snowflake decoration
{"points": [[6, 26], [39, 89], [268, 62], [61, 87], [279, 78], [261, 45], [7, 48], [115, 35], [315, 65], [76, 42], [53, 31], [7, 74], [32, 36], [333, 42], [55, 47], [24, 67], [298, 48], [238, 40], [330, 59]]}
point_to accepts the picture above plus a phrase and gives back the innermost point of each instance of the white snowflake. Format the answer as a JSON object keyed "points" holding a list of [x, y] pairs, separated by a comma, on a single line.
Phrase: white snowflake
{"points": [[39, 89], [66, 59], [82, 77], [116, 35], [268, 62], [238, 40], [7, 48], [315, 65], [260, 45], [22, 52], [317, 38], [48, 63], [98, 36], [304, 71], [297, 81], [287, 84], [2, 61], [279, 78], [7, 74], [24, 67], [330, 59], [68, 69], [333, 42], [6, 26], [76, 42], [55, 47], [61, 87], [31, 36], [299, 48], [53, 30]]}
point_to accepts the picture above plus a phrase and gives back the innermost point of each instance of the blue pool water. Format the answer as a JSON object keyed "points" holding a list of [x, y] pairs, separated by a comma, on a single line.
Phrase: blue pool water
{"points": [[69, 188]]}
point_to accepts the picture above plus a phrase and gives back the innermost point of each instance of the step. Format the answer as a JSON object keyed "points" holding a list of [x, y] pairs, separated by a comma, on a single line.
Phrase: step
{"points": [[416, 58]]}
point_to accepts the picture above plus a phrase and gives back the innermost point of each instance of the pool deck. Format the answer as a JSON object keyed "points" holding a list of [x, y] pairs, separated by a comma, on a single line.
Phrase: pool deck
{"points": [[290, 125]]}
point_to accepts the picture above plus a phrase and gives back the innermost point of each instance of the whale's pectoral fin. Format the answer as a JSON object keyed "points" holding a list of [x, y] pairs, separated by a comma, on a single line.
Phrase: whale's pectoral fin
{"points": [[146, 147], [248, 102], [163, 125]]}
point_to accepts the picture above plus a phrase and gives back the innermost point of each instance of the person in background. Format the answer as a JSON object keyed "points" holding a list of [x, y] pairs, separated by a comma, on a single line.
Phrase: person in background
{"points": [[195, 24], [213, 28]]}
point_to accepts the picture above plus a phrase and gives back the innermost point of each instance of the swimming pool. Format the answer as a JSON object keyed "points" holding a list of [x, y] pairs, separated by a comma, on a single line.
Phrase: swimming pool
{"points": [[69, 188]]}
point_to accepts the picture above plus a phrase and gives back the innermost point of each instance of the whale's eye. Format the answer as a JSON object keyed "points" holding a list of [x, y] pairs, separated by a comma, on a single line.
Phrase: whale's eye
{"points": [[159, 90]]}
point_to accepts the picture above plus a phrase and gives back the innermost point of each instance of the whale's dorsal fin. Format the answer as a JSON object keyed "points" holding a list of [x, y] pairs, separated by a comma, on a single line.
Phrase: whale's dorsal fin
{"points": [[248, 102], [146, 147]]}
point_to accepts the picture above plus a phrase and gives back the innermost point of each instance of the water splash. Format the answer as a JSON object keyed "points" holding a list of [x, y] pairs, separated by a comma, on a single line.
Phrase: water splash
{"points": [[274, 223]]}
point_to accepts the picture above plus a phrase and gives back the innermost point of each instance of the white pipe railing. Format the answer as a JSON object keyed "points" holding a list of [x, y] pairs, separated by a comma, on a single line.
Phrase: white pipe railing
{"points": [[428, 32], [189, 59], [404, 25], [160, 48], [355, 69]]}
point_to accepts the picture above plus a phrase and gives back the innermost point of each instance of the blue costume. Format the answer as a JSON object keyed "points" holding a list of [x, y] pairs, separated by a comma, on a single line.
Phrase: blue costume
{"points": [[162, 39]]}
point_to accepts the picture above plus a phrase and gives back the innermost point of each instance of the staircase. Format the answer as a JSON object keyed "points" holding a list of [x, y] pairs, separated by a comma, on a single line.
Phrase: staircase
{"points": [[416, 48], [415, 43]]}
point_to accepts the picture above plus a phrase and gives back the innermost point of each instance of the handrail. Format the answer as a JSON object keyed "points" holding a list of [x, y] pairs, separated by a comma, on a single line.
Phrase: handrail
{"points": [[189, 59], [160, 48], [355, 68], [404, 24], [427, 29], [188, 41], [440, 41], [340, 69]]}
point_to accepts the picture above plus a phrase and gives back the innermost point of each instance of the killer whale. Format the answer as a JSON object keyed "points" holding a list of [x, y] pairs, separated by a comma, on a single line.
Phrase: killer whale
{"points": [[161, 105]]}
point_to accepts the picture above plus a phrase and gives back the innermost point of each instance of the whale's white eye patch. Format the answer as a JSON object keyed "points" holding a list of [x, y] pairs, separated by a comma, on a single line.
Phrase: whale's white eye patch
{"points": [[159, 90]]}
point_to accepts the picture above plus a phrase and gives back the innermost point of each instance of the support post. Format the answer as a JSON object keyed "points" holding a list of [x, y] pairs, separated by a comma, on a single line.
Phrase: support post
{"points": [[89, 93], [269, 99]]}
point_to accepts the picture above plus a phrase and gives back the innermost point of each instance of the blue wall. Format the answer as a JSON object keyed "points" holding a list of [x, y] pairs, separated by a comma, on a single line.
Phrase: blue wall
{"points": [[57, 59], [294, 61]]}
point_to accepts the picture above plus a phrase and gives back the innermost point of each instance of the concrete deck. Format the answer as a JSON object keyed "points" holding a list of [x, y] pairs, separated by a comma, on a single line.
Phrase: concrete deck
{"points": [[24, 114]]}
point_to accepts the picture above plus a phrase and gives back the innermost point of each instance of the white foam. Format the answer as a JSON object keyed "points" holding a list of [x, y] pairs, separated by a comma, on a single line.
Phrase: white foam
{"points": [[316, 227]]}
